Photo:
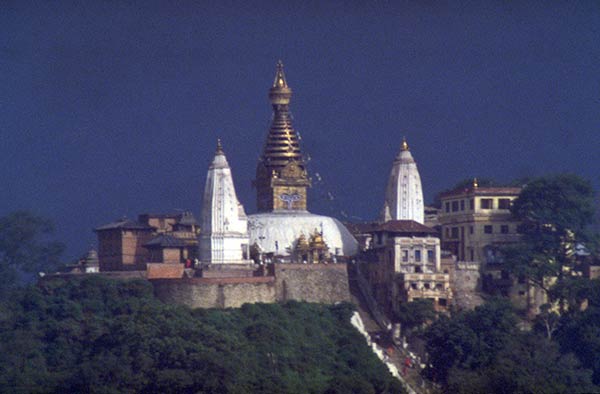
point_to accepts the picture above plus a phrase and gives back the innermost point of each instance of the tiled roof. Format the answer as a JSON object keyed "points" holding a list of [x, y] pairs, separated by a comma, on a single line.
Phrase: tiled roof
{"points": [[125, 224], [405, 227], [394, 226], [361, 228], [166, 241]]}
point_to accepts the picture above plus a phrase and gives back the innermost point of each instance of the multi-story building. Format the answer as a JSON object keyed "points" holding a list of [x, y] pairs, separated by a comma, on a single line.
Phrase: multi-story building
{"points": [[407, 265], [127, 245], [477, 220]]}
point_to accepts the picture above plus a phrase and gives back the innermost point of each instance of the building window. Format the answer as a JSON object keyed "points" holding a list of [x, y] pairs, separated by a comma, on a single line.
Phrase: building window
{"points": [[454, 206], [405, 256], [504, 203], [462, 205], [455, 232], [472, 204], [472, 255], [417, 269], [430, 256], [471, 230], [414, 286], [486, 203], [447, 207], [442, 302], [417, 255], [504, 229], [426, 285], [488, 229]]}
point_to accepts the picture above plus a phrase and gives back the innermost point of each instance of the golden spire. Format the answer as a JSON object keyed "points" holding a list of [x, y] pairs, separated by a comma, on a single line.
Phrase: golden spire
{"points": [[219, 150], [280, 93], [282, 145], [404, 144], [279, 81]]}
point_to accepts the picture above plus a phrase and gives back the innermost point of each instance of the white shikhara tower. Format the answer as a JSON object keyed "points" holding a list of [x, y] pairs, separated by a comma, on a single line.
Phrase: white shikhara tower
{"points": [[404, 194], [224, 237]]}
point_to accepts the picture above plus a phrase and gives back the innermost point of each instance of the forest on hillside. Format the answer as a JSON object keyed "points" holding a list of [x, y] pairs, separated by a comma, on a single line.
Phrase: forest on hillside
{"points": [[93, 335]]}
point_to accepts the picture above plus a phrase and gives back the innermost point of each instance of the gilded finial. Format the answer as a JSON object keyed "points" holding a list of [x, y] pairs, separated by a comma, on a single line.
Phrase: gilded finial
{"points": [[280, 81], [219, 150], [280, 93], [404, 144], [475, 184]]}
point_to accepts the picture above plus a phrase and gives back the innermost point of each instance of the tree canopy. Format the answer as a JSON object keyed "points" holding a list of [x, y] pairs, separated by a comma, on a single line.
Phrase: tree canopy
{"points": [[93, 335], [483, 351], [555, 213], [25, 247]]}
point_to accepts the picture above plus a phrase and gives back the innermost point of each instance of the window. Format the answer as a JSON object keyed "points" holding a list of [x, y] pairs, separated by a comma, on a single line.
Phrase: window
{"points": [[504, 203], [472, 255], [454, 232], [447, 232], [404, 256], [426, 285], [430, 256], [447, 207], [417, 269], [486, 203], [488, 229], [414, 286], [471, 230], [442, 302], [504, 229], [462, 205], [417, 255], [472, 204], [454, 206]]}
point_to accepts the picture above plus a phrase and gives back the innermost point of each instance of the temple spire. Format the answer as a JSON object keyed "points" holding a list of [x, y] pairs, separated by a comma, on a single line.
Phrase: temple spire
{"points": [[279, 81], [219, 150], [404, 146], [281, 178], [280, 93]]}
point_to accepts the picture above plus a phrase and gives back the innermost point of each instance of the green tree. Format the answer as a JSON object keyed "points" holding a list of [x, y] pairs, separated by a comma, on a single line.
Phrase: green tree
{"points": [[483, 351], [415, 313], [555, 213], [25, 247]]}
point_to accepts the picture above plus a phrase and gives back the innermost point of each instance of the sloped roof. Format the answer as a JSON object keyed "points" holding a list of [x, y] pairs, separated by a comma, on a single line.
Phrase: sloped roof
{"points": [[361, 228], [125, 224], [187, 219], [483, 191], [404, 227], [166, 241]]}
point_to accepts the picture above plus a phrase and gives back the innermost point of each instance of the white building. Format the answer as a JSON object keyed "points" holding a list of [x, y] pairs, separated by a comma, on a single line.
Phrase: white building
{"points": [[404, 194], [224, 237]]}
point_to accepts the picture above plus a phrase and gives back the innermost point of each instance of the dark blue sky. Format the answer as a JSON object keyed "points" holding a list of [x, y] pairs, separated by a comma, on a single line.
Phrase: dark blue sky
{"points": [[112, 108]]}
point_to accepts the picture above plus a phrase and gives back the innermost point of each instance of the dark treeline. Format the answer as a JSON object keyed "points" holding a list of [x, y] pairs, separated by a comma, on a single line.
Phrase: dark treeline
{"points": [[484, 351], [93, 335]]}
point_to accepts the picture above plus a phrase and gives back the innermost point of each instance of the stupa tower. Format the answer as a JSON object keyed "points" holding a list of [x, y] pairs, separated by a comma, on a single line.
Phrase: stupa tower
{"points": [[281, 179], [404, 194]]}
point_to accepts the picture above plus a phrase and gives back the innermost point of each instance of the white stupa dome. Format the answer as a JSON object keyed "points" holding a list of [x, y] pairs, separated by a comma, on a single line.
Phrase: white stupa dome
{"points": [[277, 232]]}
